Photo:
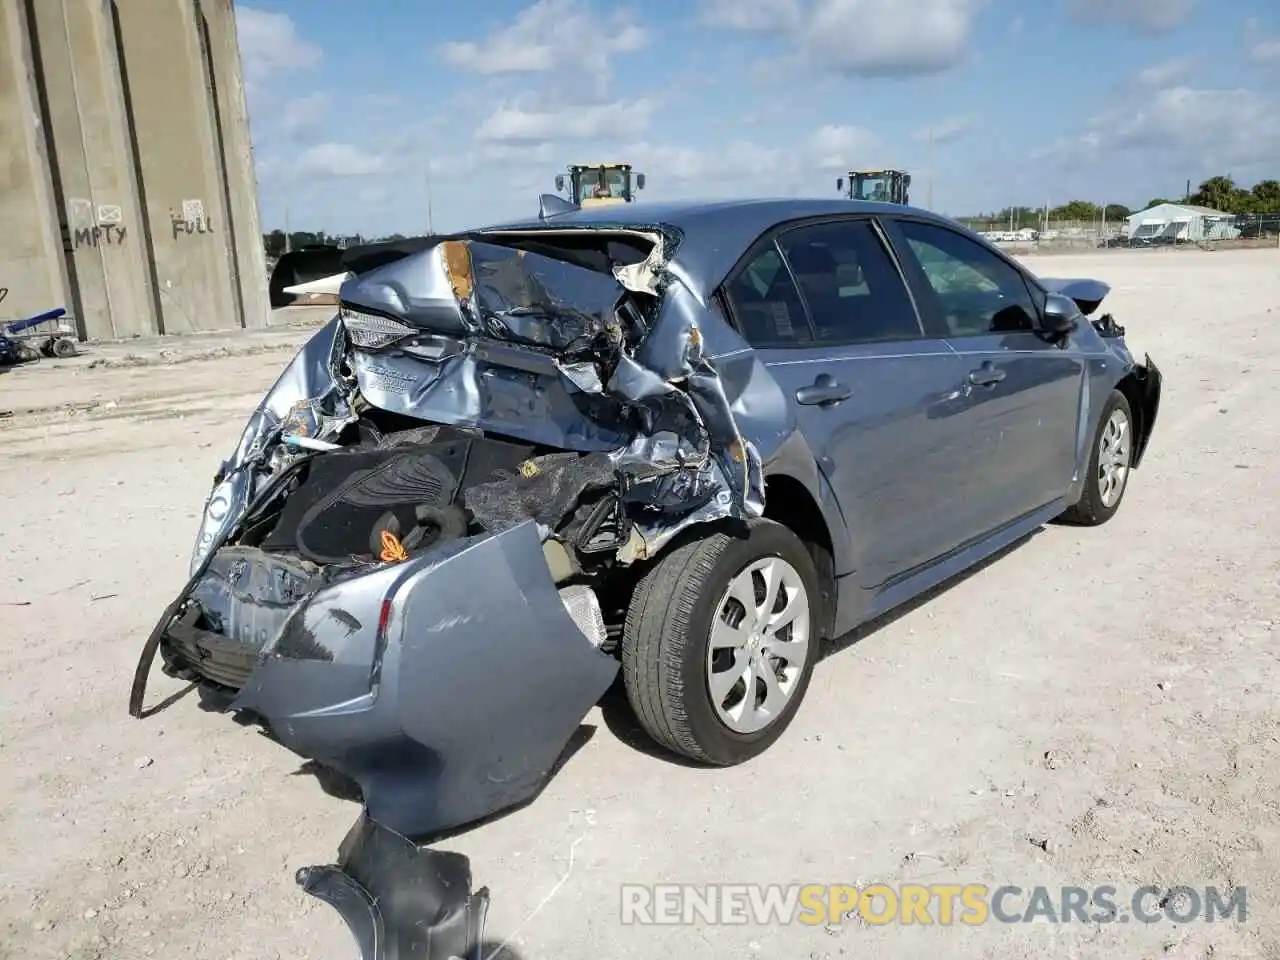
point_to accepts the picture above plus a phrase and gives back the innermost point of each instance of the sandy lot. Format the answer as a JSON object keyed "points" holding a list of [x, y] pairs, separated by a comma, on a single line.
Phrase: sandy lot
{"points": [[1110, 691]]}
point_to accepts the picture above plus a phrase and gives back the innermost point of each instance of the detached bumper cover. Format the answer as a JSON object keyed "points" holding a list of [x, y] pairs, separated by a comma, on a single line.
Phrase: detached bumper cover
{"points": [[446, 686], [1151, 381], [399, 901]]}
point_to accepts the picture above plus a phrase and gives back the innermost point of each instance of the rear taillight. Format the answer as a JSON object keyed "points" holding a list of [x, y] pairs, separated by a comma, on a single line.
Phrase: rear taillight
{"points": [[371, 331]]}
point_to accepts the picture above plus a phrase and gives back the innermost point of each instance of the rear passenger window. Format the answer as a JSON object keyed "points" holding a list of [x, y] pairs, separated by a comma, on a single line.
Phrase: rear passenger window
{"points": [[766, 305], [849, 283]]}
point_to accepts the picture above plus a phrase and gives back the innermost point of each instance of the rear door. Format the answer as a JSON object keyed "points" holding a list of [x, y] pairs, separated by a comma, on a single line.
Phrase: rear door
{"points": [[1023, 391], [829, 314]]}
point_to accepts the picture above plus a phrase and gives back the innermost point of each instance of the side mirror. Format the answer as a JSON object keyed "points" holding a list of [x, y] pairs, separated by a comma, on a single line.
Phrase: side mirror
{"points": [[560, 182], [839, 184], [1061, 315], [639, 181]]}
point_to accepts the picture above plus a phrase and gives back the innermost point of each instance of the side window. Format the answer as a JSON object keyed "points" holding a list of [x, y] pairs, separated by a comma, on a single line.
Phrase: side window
{"points": [[975, 290], [850, 284], [766, 304]]}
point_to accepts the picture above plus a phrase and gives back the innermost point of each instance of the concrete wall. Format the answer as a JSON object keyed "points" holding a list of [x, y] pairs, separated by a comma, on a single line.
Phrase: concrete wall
{"points": [[32, 268], [126, 169], [94, 161], [237, 158], [181, 169]]}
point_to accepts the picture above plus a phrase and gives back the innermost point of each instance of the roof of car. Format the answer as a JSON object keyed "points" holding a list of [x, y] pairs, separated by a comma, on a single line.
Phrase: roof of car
{"points": [[715, 233]]}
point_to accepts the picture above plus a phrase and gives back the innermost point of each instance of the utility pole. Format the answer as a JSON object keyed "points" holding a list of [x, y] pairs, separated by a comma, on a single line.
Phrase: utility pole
{"points": [[288, 233], [427, 181], [931, 169]]}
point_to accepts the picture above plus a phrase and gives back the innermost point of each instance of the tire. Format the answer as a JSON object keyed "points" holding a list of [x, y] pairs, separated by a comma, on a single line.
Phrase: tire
{"points": [[666, 643], [1099, 501]]}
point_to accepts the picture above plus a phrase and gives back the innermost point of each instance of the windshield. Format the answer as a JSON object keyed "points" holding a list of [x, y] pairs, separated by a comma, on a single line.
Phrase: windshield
{"points": [[595, 184], [874, 188]]}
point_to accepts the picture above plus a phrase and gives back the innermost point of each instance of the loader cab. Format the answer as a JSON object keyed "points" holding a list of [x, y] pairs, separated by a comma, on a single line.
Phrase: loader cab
{"points": [[877, 186], [599, 184]]}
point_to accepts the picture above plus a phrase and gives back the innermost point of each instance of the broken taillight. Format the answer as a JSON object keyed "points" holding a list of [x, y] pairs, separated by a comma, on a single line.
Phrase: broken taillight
{"points": [[380, 642], [371, 331]]}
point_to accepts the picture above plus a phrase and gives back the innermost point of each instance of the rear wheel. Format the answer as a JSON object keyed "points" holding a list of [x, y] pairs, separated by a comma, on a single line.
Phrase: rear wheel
{"points": [[720, 642], [1110, 462]]}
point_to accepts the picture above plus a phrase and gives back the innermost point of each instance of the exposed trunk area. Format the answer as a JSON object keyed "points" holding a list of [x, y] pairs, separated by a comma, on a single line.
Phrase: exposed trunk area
{"points": [[393, 493]]}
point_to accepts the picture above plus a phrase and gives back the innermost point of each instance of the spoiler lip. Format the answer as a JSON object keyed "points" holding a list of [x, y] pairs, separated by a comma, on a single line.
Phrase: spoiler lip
{"points": [[550, 205]]}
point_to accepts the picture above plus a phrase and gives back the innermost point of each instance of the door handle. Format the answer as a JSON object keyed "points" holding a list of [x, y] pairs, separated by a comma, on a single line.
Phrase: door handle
{"points": [[986, 376], [823, 391]]}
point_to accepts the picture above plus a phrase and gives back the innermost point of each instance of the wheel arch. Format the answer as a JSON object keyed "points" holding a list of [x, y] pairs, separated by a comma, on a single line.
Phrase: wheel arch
{"points": [[789, 502]]}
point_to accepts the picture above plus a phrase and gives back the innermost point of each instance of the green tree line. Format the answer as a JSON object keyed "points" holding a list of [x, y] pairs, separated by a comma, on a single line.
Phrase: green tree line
{"points": [[1217, 193], [274, 242]]}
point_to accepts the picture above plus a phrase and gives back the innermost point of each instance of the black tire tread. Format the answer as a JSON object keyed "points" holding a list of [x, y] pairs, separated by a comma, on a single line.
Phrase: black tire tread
{"points": [[657, 628]]}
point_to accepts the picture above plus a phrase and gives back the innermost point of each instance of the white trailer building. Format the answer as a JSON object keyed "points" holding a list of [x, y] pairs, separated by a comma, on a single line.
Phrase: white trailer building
{"points": [[1180, 223]]}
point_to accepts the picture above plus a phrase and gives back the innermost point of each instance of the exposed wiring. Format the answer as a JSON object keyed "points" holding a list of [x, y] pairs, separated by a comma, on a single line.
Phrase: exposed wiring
{"points": [[393, 550]]}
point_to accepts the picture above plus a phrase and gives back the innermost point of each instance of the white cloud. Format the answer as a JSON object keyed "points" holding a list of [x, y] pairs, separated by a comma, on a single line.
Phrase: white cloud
{"points": [[838, 147], [303, 115], [946, 131], [1081, 148], [1234, 125], [1180, 127], [1166, 74], [335, 160], [554, 62], [550, 35], [890, 37], [1144, 16], [868, 38], [763, 15], [1264, 50], [270, 45], [757, 168], [732, 169], [512, 123]]}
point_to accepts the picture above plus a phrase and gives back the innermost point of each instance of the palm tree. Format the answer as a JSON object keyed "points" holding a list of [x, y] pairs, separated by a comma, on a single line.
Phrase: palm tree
{"points": [[1217, 193]]}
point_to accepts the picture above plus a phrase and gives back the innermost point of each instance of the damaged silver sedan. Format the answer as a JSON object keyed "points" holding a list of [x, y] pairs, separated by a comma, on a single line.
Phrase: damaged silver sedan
{"points": [[685, 442]]}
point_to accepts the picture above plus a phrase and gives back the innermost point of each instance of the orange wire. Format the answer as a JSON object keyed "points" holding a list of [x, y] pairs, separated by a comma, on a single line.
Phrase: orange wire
{"points": [[392, 549]]}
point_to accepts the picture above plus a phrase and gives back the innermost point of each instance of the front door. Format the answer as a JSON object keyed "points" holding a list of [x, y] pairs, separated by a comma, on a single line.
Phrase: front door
{"points": [[829, 316], [1023, 391]]}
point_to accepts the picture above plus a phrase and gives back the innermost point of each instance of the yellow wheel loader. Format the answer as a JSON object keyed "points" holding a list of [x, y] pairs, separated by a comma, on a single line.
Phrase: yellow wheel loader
{"points": [[599, 184], [879, 186]]}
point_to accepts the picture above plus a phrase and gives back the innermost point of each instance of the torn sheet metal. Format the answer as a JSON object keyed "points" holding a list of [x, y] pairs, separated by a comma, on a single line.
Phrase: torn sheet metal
{"points": [[484, 331], [308, 399], [401, 901], [560, 354]]}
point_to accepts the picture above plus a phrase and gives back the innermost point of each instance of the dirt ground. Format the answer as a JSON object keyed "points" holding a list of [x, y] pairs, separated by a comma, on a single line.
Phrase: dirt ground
{"points": [[1095, 707]]}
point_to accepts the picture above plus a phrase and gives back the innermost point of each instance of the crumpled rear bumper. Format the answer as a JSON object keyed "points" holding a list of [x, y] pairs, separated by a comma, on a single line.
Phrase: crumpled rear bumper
{"points": [[446, 686]]}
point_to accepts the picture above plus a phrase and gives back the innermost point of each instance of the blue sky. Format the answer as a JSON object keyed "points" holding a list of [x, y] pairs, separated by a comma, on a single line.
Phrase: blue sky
{"points": [[361, 111]]}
